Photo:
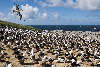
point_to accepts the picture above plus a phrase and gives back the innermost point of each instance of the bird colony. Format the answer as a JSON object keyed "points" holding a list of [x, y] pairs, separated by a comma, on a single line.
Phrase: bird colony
{"points": [[56, 48]]}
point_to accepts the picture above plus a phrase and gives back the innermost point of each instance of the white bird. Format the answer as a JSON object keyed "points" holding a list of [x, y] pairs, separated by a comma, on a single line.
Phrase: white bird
{"points": [[60, 60], [54, 65], [8, 64], [72, 60], [32, 51], [44, 58]]}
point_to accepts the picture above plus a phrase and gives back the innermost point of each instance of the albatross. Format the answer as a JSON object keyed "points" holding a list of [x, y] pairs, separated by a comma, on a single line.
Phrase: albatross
{"points": [[17, 10]]}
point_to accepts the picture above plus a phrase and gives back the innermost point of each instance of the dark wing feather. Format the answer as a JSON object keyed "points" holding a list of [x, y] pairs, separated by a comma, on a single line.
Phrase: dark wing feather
{"points": [[20, 15], [17, 8]]}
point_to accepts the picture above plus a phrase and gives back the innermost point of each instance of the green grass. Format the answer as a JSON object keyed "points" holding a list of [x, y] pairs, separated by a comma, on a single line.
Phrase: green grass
{"points": [[14, 25]]}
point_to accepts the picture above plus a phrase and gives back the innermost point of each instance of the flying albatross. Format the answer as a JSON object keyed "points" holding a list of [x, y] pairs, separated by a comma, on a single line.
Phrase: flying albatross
{"points": [[17, 10]]}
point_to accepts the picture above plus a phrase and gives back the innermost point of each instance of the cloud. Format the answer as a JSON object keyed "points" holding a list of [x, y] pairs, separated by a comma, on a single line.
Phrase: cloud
{"points": [[55, 14], [50, 3], [9, 17], [88, 4], [41, 3], [55, 2], [2, 16], [44, 15], [12, 17], [49, 15], [19, 0], [81, 4], [29, 11]]}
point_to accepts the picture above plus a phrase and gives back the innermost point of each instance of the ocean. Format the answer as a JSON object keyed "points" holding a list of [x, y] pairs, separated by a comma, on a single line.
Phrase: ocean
{"points": [[69, 27]]}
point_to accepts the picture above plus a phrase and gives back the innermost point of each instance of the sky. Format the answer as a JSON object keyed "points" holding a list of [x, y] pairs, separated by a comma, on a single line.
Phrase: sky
{"points": [[52, 12]]}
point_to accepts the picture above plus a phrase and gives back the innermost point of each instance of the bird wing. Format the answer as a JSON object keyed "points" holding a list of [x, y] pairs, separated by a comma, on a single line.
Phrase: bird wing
{"points": [[20, 15], [17, 8]]}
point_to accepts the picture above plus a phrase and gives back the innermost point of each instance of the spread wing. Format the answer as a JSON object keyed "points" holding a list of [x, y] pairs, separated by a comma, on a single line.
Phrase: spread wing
{"points": [[17, 8], [20, 15]]}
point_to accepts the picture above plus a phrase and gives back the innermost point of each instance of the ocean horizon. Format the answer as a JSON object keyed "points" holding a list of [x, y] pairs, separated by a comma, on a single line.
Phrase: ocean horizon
{"points": [[69, 27]]}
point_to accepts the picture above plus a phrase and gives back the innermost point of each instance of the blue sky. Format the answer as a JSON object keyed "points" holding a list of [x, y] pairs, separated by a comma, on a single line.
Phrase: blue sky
{"points": [[52, 12]]}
